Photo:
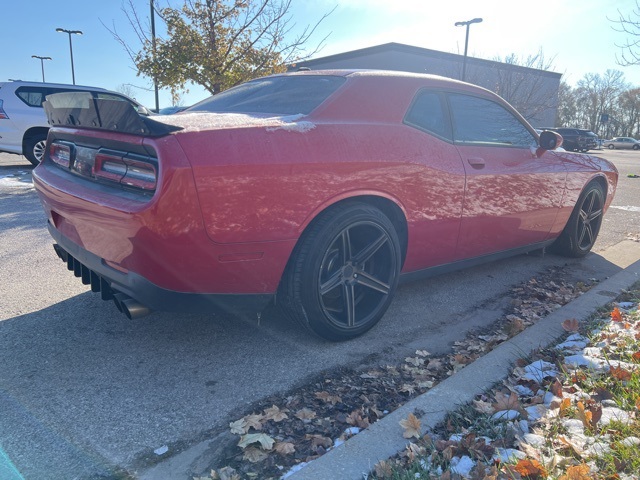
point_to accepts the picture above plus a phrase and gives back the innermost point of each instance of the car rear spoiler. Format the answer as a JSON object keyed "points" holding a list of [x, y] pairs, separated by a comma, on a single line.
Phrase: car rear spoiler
{"points": [[83, 110]]}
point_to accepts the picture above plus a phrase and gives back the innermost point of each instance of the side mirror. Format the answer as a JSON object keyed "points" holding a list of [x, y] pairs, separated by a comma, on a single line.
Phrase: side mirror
{"points": [[550, 140]]}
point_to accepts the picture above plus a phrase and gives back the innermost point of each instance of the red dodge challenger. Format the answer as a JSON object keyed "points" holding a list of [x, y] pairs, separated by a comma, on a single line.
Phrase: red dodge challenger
{"points": [[319, 190]]}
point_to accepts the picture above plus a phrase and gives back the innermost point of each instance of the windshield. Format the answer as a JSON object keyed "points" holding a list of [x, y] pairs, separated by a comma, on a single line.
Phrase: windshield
{"points": [[286, 95]]}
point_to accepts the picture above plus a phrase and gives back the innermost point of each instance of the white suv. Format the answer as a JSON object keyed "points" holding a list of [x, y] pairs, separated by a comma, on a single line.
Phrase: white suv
{"points": [[23, 122]]}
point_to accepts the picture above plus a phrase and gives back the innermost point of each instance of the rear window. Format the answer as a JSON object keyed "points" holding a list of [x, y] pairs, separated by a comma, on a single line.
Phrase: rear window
{"points": [[275, 95], [35, 96]]}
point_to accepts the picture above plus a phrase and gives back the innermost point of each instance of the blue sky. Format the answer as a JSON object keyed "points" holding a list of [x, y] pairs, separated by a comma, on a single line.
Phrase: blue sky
{"points": [[576, 34]]}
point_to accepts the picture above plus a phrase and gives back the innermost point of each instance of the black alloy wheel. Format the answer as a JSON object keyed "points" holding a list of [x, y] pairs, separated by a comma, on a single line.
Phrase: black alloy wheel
{"points": [[581, 231], [344, 272]]}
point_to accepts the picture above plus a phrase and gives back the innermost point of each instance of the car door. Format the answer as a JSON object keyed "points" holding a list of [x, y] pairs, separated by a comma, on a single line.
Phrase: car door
{"points": [[513, 190]]}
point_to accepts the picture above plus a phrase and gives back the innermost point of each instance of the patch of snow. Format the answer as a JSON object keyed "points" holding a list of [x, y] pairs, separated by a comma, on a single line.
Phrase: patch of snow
{"points": [[581, 360], [538, 370], [506, 415], [12, 182], [162, 450], [536, 412], [462, 465], [199, 121], [352, 430], [630, 441], [523, 391], [293, 470], [534, 440], [628, 208], [550, 399], [610, 414], [626, 305], [505, 455]]}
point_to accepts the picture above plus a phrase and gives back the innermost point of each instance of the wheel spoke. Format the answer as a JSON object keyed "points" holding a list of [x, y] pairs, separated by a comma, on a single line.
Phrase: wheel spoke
{"points": [[373, 283], [334, 281], [369, 251], [346, 246], [582, 233], [349, 304], [595, 214]]}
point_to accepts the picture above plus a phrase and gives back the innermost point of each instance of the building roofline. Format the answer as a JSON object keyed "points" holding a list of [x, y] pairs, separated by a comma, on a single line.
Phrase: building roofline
{"points": [[401, 47]]}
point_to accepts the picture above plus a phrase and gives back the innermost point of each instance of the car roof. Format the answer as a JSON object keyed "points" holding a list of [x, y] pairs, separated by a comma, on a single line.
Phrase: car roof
{"points": [[21, 83]]}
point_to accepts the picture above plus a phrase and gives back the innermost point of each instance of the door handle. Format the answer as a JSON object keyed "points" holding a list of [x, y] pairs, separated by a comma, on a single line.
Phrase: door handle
{"points": [[476, 162]]}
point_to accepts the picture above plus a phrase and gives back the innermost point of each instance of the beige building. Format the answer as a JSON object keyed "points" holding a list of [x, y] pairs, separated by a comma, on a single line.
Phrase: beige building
{"points": [[534, 93]]}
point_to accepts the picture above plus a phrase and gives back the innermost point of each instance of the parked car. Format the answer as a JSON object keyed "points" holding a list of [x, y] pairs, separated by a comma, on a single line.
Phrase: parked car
{"points": [[622, 142], [23, 123], [310, 189], [576, 140], [171, 110], [590, 140]]}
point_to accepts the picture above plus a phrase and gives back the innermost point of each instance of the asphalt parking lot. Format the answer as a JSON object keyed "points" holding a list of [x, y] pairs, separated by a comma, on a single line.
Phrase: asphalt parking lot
{"points": [[82, 388]]}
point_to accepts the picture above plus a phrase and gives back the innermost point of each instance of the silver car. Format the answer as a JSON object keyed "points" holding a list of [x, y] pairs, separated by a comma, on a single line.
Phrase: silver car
{"points": [[622, 142]]}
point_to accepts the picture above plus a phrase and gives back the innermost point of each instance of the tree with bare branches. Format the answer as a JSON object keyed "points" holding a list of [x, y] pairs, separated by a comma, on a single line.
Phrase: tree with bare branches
{"points": [[217, 43], [629, 23]]}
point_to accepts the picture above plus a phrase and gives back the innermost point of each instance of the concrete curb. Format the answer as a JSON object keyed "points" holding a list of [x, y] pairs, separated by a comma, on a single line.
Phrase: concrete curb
{"points": [[384, 438]]}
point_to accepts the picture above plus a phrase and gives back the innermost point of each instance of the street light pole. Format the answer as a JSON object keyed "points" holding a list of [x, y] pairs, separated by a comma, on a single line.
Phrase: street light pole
{"points": [[70, 32], [466, 42], [42, 59], [153, 47]]}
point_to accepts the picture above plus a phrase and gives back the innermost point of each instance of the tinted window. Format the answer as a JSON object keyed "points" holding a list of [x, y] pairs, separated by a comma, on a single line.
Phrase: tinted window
{"points": [[278, 95], [427, 113], [33, 96], [480, 121]]}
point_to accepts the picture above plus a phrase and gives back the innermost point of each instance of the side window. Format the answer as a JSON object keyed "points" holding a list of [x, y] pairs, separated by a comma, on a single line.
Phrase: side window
{"points": [[110, 96], [483, 122], [427, 113], [32, 96]]}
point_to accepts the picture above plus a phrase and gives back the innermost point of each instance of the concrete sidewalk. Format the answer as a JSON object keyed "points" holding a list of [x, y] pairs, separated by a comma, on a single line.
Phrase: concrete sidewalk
{"points": [[383, 439]]}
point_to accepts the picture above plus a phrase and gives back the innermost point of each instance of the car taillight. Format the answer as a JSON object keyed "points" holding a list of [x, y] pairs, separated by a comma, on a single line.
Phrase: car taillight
{"points": [[60, 153], [3, 114], [125, 171]]}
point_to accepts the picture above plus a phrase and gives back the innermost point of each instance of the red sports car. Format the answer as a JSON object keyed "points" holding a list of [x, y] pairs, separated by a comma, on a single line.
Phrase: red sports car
{"points": [[319, 190]]}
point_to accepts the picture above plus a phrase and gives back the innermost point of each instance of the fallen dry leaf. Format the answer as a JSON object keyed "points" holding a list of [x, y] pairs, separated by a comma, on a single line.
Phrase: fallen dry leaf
{"points": [[265, 441], [285, 448], [239, 427], [305, 414], [328, 398], [531, 468], [585, 416], [411, 426], [564, 406], [620, 373], [571, 325], [255, 455], [616, 316], [254, 421], [556, 388], [275, 414], [506, 402], [577, 472], [383, 469]]}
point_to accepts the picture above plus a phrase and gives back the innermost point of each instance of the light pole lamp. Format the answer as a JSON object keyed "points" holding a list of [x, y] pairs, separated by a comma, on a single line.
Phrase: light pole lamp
{"points": [[42, 59], [70, 32], [466, 42]]}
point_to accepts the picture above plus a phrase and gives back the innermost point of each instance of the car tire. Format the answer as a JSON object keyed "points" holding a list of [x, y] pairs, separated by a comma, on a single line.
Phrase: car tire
{"points": [[635, 147], [34, 148], [610, 147], [581, 231], [343, 273]]}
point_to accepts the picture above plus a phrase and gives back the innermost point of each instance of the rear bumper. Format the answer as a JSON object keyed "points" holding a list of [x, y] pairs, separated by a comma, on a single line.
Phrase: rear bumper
{"points": [[109, 282]]}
